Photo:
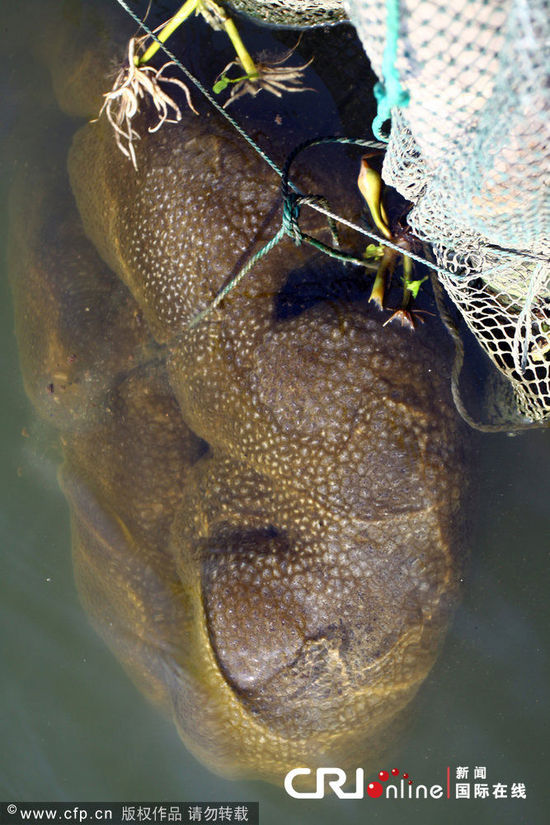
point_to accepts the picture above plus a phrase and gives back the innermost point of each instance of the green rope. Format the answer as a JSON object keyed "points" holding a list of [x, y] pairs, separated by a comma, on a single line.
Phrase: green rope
{"points": [[234, 281], [389, 93], [292, 204], [317, 203], [202, 89]]}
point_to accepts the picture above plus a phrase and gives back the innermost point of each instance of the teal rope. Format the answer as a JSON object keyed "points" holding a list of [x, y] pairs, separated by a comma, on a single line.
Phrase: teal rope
{"points": [[202, 89], [234, 281], [389, 93], [316, 203], [292, 204]]}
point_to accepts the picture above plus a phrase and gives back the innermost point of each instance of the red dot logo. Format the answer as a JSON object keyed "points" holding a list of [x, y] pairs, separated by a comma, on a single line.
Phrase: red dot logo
{"points": [[375, 789]]}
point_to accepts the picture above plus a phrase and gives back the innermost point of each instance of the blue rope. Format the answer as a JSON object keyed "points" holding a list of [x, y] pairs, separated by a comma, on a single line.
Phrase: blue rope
{"points": [[389, 93]]}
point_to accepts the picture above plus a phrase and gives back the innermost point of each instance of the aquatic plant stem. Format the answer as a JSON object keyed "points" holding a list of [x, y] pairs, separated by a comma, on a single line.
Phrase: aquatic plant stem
{"points": [[182, 14], [229, 26], [246, 61]]}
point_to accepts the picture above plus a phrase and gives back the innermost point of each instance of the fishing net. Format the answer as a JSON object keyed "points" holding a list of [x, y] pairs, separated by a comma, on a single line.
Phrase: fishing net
{"points": [[468, 88], [293, 12], [470, 148]]}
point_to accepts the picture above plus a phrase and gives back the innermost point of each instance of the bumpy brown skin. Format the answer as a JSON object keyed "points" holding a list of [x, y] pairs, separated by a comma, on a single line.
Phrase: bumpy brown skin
{"points": [[266, 509], [315, 543], [301, 14]]}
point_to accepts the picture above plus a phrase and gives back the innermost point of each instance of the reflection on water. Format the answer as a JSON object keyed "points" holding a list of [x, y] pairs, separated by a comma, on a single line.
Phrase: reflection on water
{"points": [[72, 731]]}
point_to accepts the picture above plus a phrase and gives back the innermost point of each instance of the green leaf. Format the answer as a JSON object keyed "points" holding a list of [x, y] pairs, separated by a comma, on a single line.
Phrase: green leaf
{"points": [[222, 84], [414, 286], [373, 251]]}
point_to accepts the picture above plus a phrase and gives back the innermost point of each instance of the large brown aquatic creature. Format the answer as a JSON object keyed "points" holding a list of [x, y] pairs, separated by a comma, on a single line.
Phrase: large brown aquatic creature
{"points": [[266, 508]]}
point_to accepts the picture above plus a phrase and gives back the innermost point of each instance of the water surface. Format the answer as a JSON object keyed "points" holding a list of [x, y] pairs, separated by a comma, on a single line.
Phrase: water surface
{"points": [[75, 728]]}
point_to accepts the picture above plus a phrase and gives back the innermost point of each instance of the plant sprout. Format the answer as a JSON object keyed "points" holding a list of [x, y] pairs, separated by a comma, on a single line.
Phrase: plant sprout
{"points": [[137, 81]]}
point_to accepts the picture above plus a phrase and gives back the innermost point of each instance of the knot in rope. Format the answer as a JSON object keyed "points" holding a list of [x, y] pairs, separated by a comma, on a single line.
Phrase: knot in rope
{"points": [[293, 200], [292, 205], [291, 214]]}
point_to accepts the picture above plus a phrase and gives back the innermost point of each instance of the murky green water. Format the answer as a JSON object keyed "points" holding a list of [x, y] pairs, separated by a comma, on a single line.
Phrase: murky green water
{"points": [[75, 728]]}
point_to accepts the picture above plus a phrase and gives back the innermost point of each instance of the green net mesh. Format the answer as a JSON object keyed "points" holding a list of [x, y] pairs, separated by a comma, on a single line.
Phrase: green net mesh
{"points": [[472, 152]]}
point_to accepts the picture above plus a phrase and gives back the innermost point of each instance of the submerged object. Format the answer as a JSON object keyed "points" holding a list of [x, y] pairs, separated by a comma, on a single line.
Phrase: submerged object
{"points": [[266, 509], [293, 12]]}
